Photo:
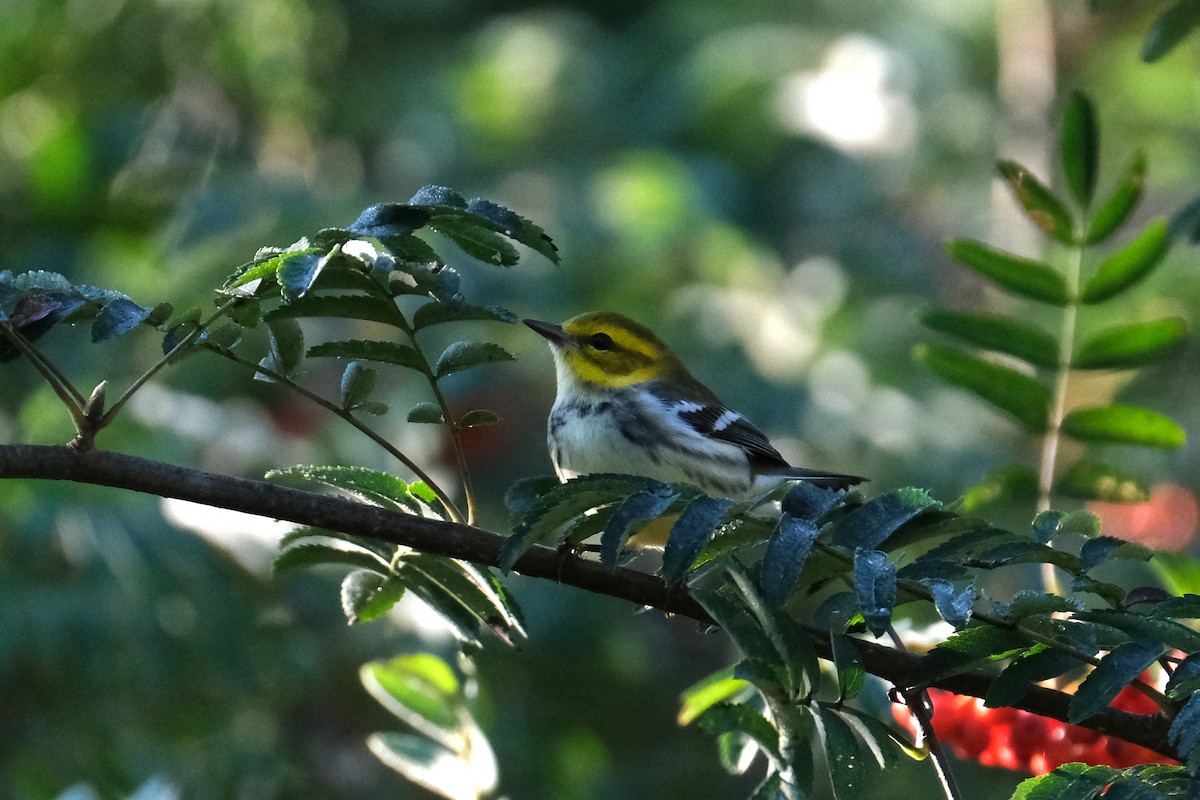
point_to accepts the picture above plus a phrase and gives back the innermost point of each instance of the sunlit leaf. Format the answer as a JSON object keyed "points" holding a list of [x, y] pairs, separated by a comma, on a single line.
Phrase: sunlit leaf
{"points": [[370, 350], [848, 770], [468, 597], [1130, 264], [358, 381], [852, 676], [1122, 424], [420, 689], [1011, 483], [426, 413], [1079, 147], [996, 332], [316, 554], [965, 650], [1067, 782], [690, 533], [719, 687], [1091, 480], [1021, 396], [740, 718], [1043, 208], [1131, 345], [436, 769], [464, 355], [1113, 212], [1115, 671], [1102, 548], [372, 486], [286, 348], [1040, 663], [1017, 274], [366, 595]]}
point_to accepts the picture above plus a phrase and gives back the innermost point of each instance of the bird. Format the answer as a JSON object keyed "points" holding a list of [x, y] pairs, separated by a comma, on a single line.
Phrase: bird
{"points": [[626, 404]]}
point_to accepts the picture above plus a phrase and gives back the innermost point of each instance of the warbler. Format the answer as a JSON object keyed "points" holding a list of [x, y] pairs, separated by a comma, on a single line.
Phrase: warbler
{"points": [[627, 404]]}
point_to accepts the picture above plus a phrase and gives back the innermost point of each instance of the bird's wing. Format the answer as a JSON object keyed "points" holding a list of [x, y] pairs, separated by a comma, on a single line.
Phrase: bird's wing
{"points": [[711, 419]]}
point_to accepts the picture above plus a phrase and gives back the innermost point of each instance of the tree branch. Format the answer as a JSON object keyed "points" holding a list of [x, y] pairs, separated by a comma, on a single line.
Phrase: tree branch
{"points": [[468, 543]]}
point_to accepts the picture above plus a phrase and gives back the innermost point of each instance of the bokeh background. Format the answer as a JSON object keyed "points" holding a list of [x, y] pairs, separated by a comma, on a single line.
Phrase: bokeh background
{"points": [[768, 184]]}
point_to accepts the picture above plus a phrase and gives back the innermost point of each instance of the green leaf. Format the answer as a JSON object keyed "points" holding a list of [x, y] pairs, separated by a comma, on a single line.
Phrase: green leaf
{"points": [[1091, 480], [999, 333], [1014, 482], [1043, 208], [521, 496], [1019, 275], [875, 585], [435, 768], [1079, 146], [475, 240], [297, 274], [347, 306], [389, 220], [745, 629], [372, 486], [964, 651], [1040, 663], [1169, 29], [286, 348], [478, 418], [315, 554], [852, 675], [1122, 424], [367, 595], [464, 355], [719, 687], [515, 227], [844, 757], [870, 525], [421, 690], [1016, 393], [1098, 550], [953, 604], [1130, 264], [1031, 602], [427, 413], [690, 533], [358, 382], [1184, 733], [1117, 208], [370, 350], [467, 596], [1114, 672], [437, 313], [806, 501], [784, 558], [740, 718], [1069, 782], [1131, 345], [434, 195], [640, 506], [117, 317]]}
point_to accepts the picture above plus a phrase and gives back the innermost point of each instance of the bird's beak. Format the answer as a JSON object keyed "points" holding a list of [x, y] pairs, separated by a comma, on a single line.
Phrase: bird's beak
{"points": [[553, 333]]}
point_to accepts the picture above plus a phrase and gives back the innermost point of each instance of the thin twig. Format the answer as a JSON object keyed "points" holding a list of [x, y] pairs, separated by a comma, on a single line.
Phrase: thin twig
{"points": [[920, 706], [66, 391]]}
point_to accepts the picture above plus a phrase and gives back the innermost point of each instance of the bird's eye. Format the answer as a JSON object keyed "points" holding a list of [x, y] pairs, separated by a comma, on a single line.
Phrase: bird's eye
{"points": [[601, 341]]}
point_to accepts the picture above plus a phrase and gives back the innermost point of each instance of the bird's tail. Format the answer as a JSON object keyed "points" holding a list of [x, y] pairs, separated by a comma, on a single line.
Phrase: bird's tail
{"points": [[824, 479]]}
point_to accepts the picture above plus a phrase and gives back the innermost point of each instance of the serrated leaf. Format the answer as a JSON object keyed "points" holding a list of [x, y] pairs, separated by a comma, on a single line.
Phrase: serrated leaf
{"points": [[298, 272], [784, 558], [640, 506], [389, 220], [690, 533], [1040, 663], [740, 718], [965, 650], [1030, 602], [370, 350], [347, 306], [1131, 345], [1024, 398], [1073, 781], [515, 227], [745, 629], [467, 595], [1122, 424], [848, 769], [1102, 548], [375, 487], [434, 194], [875, 585], [426, 413], [1169, 29], [851, 674], [366, 595], [1184, 733], [870, 525], [1079, 147], [475, 239], [1091, 480], [438, 313], [358, 382], [1040, 204], [1130, 264], [999, 333], [1117, 208], [807, 501], [1114, 672], [521, 496], [1017, 274], [117, 317], [464, 355], [316, 554], [1151, 631]]}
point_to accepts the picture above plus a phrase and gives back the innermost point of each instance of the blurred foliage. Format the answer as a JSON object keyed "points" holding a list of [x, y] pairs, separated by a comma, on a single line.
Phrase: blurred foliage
{"points": [[769, 184]]}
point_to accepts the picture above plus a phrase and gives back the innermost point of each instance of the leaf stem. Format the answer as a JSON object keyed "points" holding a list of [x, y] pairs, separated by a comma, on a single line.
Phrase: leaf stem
{"points": [[66, 391], [370, 433], [920, 705]]}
